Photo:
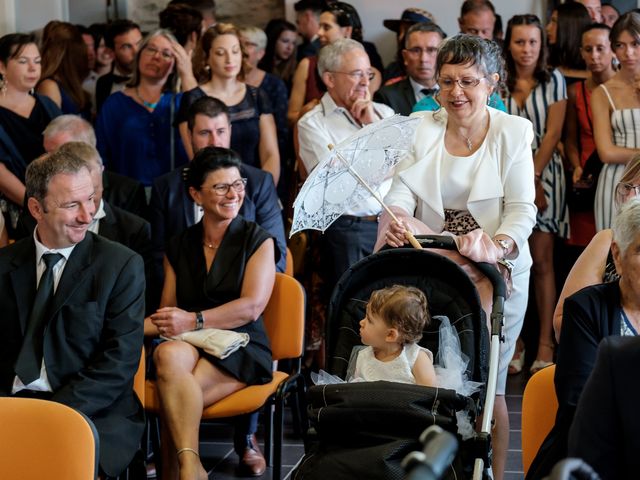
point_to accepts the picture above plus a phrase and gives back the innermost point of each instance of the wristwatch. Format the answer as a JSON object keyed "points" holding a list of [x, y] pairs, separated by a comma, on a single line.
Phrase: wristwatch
{"points": [[505, 245], [199, 321]]}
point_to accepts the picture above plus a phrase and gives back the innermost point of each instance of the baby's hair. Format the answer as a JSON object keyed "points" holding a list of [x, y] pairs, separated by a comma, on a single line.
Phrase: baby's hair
{"points": [[403, 308]]}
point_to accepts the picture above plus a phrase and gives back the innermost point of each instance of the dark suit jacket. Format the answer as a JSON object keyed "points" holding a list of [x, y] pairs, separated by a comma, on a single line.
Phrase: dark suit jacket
{"points": [[93, 340], [398, 96], [605, 428], [171, 211], [308, 49], [589, 316], [134, 232], [104, 84], [124, 192]]}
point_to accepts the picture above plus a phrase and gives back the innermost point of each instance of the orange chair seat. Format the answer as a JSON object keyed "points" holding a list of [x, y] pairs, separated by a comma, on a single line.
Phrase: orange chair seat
{"points": [[247, 400]]}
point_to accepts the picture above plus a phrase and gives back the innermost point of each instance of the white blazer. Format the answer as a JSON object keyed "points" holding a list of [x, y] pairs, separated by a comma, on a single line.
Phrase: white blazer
{"points": [[502, 190]]}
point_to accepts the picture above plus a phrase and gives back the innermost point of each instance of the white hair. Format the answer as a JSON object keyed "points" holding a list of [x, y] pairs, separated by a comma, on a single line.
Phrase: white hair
{"points": [[79, 129], [330, 56], [626, 225]]}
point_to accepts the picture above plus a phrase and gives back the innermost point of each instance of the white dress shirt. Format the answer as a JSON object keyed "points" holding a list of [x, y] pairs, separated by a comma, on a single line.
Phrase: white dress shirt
{"points": [[327, 123], [42, 383]]}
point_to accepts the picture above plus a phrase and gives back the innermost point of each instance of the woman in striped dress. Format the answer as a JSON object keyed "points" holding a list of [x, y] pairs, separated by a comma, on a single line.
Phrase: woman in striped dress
{"points": [[616, 116], [539, 95]]}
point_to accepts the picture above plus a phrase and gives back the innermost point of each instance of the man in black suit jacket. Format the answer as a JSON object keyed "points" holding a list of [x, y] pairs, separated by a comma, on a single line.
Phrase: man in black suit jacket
{"points": [[308, 21], [421, 44], [171, 208], [93, 328], [123, 38], [604, 432], [117, 190]]}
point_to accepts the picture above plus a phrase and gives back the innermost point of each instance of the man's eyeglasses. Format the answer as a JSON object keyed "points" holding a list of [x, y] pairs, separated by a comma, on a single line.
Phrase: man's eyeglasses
{"points": [[222, 189], [152, 51], [359, 75], [418, 51], [464, 82]]}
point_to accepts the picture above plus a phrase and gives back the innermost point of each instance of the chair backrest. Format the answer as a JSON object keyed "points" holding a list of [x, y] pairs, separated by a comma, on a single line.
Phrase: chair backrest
{"points": [[539, 407], [43, 439], [284, 318]]}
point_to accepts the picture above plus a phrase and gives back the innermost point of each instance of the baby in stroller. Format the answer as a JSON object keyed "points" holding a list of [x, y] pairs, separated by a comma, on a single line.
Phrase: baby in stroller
{"points": [[394, 320]]}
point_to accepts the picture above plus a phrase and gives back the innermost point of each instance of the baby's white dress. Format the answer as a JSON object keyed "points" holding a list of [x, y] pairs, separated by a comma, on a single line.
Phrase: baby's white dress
{"points": [[370, 369]]}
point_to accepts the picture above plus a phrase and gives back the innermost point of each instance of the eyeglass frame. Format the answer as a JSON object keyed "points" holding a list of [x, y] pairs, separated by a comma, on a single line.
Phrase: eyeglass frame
{"points": [[477, 81], [628, 187], [216, 188], [151, 52], [359, 74]]}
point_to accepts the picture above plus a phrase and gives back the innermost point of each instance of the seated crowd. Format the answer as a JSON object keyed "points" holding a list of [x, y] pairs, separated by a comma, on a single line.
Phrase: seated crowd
{"points": [[147, 181]]}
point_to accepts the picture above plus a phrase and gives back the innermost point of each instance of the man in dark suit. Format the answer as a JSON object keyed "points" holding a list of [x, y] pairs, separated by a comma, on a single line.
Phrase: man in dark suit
{"points": [[604, 432], [114, 223], [172, 210], [118, 190], [73, 311], [308, 22], [421, 44], [123, 38]]}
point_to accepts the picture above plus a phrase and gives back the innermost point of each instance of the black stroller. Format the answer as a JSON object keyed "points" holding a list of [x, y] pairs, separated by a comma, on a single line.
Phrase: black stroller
{"points": [[364, 430]]}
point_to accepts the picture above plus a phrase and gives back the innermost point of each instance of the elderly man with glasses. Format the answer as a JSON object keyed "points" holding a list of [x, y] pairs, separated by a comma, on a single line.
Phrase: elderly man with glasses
{"points": [[343, 110]]}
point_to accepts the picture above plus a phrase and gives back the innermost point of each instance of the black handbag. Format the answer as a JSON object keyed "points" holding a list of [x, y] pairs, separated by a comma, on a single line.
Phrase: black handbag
{"points": [[581, 194]]}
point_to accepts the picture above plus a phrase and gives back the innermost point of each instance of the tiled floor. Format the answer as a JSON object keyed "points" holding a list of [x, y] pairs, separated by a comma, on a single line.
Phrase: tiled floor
{"points": [[220, 460]]}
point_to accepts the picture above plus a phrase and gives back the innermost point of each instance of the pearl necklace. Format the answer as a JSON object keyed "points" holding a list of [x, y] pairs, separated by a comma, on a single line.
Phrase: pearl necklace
{"points": [[211, 245]]}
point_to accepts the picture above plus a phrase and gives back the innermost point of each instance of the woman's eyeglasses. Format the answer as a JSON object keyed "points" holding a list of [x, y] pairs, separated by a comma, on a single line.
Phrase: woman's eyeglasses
{"points": [[222, 189], [152, 51], [464, 82], [625, 189]]}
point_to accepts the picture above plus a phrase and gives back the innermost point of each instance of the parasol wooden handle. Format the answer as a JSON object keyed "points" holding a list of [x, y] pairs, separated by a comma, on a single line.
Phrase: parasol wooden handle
{"points": [[408, 235]]}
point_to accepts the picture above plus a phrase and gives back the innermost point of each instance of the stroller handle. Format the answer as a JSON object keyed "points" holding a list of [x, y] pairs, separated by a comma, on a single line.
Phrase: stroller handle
{"points": [[447, 242]]}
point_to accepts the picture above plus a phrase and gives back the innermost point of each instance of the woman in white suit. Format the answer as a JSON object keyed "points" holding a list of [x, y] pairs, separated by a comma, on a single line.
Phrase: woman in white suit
{"points": [[472, 171]]}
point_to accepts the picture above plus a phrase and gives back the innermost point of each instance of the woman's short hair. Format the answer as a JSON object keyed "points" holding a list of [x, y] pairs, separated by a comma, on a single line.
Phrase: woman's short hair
{"points": [[464, 49], [207, 161], [330, 56], [626, 224], [11, 45], [255, 35], [541, 72], [346, 16], [170, 84], [201, 68], [630, 23], [403, 308]]}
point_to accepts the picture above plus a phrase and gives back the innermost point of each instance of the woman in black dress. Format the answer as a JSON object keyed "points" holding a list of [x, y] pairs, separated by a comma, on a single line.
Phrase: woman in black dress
{"points": [[218, 274], [23, 117]]}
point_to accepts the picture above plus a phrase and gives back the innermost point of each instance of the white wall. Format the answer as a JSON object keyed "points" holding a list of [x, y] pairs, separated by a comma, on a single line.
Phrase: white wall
{"points": [[35, 14]]}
